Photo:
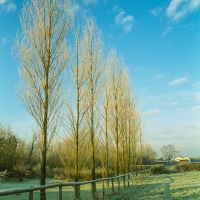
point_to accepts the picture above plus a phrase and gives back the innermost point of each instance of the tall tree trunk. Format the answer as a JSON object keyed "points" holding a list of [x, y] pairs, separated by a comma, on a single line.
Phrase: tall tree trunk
{"points": [[92, 142], [107, 162], [44, 133]]}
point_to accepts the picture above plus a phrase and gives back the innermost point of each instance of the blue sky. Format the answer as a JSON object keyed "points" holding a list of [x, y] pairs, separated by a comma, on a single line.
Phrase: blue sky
{"points": [[160, 43]]}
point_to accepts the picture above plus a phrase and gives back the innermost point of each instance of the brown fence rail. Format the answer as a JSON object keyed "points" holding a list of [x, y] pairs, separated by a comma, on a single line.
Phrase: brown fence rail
{"points": [[132, 176]]}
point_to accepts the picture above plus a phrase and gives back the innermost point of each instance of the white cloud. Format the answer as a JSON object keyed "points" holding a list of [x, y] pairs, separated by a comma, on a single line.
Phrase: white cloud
{"points": [[155, 12], [88, 2], [178, 9], [178, 81], [124, 20], [152, 112], [196, 108], [127, 28], [2, 1], [7, 6], [10, 7]]}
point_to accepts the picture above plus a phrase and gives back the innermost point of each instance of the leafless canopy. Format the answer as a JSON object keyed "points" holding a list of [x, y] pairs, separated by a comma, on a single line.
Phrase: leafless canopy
{"points": [[42, 54]]}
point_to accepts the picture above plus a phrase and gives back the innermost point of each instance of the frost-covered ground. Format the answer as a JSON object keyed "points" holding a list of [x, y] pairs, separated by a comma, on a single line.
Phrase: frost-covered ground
{"points": [[164, 187], [156, 187], [52, 193]]}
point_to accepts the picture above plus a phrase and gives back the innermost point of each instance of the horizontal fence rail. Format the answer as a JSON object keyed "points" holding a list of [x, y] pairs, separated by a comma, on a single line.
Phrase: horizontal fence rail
{"points": [[137, 176]]}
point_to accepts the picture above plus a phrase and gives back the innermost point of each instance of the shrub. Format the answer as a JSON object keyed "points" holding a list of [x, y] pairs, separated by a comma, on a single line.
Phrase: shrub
{"points": [[4, 175], [37, 171], [160, 169], [187, 167], [59, 173], [20, 170]]}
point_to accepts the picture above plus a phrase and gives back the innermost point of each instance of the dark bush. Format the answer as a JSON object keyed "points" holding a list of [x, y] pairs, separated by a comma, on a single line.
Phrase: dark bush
{"points": [[160, 169]]}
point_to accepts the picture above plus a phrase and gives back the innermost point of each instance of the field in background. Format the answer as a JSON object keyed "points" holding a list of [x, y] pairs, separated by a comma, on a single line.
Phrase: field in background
{"points": [[164, 187]]}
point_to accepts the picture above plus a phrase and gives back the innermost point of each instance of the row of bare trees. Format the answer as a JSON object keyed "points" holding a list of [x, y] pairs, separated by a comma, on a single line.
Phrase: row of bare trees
{"points": [[98, 105], [101, 108]]}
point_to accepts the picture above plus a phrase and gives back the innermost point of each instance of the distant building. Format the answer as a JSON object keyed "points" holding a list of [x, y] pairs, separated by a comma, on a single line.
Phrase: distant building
{"points": [[182, 160], [162, 162]]}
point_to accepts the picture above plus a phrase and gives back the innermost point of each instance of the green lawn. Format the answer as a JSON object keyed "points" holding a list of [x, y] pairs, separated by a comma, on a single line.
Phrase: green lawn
{"points": [[164, 187]]}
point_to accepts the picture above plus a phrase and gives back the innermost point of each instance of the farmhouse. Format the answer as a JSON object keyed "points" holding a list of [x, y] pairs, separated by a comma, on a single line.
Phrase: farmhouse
{"points": [[182, 160]]}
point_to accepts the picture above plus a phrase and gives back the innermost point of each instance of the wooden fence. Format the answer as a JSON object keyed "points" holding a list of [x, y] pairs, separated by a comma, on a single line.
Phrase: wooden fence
{"points": [[136, 176]]}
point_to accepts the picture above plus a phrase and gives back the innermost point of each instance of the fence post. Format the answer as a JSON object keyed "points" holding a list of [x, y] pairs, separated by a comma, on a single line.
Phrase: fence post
{"points": [[103, 190], [128, 179], [124, 179], [77, 191], [60, 192], [132, 178], [113, 189], [118, 186], [31, 195]]}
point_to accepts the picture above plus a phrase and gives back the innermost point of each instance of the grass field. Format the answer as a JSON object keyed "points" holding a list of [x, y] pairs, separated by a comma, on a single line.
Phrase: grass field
{"points": [[156, 187], [52, 193], [164, 187]]}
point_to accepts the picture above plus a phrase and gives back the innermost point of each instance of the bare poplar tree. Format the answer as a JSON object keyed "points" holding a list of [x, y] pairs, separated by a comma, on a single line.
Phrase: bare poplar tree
{"points": [[92, 43], [76, 109], [116, 82], [106, 102], [131, 110], [42, 54], [123, 103], [134, 137], [141, 145]]}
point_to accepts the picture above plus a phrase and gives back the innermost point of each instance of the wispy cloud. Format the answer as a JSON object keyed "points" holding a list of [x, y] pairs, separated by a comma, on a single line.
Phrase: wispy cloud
{"points": [[197, 97], [196, 108], [158, 77], [167, 30], [152, 112], [156, 11], [7, 6], [10, 7], [124, 20], [88, 2], [197, 84], [178, 81], [178, 9]]}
